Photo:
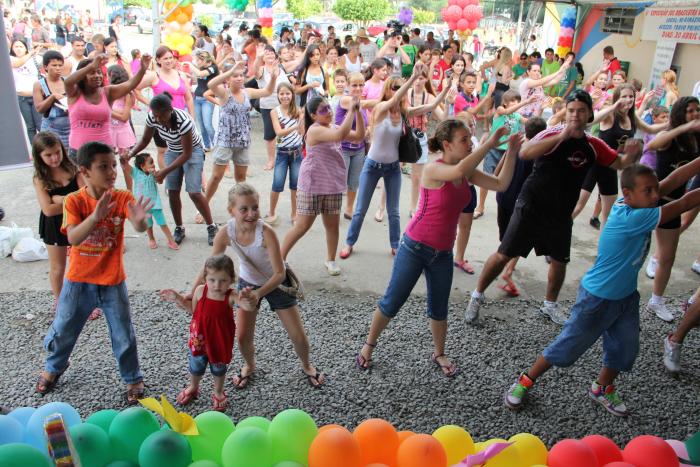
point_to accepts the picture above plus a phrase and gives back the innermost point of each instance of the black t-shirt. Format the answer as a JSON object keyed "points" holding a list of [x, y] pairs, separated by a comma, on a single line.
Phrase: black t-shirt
{"points": [[616, 136], [668, 160], [202, 82], [555, 182], [523, 169]]}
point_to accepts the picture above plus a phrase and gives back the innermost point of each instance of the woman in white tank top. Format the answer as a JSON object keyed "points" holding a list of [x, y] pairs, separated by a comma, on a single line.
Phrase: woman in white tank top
{"points": [[351, 61]]}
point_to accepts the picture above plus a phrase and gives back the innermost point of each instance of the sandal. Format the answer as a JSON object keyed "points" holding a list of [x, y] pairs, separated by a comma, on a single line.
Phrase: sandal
{"points": [[345, 252], [448, 370], [464, 266], [362, 362], [243, 381], [96, 313], [45, 386], [510, 289], [219, 404], [185, 396], [478, 214], [315, 380], [134, 394]]}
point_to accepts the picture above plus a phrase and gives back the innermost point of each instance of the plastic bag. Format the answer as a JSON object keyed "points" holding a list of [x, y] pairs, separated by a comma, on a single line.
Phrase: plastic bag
{"points": [[10, 236], [29, 249]]}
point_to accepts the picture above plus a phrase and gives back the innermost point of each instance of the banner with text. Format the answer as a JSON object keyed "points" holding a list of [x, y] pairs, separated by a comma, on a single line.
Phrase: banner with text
{"points": [[663, 58], [672, 24]]}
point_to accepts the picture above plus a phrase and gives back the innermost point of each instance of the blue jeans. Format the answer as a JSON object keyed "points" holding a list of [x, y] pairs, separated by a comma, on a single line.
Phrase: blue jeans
{"points": [[286, 159], [371, 173], [413, 259], [203, 113], [31, 117], [76, 302]]}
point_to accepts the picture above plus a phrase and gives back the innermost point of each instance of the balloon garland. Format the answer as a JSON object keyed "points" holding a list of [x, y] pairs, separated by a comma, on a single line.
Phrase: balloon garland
{"points": [[566, 32], [265, 17], [462, 16], [179, 26], [237, 5]]}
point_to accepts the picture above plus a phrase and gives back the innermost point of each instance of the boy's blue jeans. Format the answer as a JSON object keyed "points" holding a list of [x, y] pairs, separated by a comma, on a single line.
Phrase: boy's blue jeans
{"points": [[76, 302]]}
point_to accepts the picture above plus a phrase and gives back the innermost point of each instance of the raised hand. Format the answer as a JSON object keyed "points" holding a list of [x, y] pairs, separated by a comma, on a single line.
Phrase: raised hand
{"points": [[356, 104], [139, 209], [515, 142], [633, 146], [418, 68], [170, 295], [146, 61], [99, 61], [497, 136], [104, 206]]}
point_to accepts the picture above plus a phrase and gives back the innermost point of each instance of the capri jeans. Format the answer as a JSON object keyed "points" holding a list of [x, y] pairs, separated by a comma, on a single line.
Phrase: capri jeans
{"points": [[354, 161], [287, 159], [203, 114], [32, 118], [371, 173]]}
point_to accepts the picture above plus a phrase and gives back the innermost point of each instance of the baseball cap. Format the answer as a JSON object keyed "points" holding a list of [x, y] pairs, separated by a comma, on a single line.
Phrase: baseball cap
{"points": [[243, 27], [582, 96]]}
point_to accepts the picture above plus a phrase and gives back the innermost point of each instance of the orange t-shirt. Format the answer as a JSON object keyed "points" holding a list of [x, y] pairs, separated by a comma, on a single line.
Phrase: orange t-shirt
{"points": [[98, 260], [251, 51]]}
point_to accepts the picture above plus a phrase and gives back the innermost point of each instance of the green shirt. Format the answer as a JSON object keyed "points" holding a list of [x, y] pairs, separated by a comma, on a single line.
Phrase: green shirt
{"points": [[514, 120], [519, 70], [411, 51], [571, 75], [550, 69]]}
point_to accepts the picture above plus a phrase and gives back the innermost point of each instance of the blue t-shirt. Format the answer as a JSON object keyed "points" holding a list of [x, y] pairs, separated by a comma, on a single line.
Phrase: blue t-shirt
{"points": [[145, 185], [622, 248]]}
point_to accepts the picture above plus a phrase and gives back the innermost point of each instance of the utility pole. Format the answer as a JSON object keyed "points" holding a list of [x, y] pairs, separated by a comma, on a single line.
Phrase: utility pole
{"points": [[155, 34], [520, 19]]}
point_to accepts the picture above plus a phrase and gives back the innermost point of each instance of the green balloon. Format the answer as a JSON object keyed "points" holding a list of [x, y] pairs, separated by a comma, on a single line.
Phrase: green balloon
{"points": [[22, 455], [185, 3], [291, 433], [214, 427], [128, 430], [91, 443], [204, 463], [165, 448], [259, 422], [288, 464], [122, 464], [246, 447], [103, 419]]}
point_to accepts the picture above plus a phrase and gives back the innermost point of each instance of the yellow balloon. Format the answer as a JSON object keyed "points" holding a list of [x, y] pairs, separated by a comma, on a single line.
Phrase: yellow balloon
{"points": [[478, 447], [457, 442], [187, 28], [531, 449], [267, 31], [188, 40], [509, 457]]}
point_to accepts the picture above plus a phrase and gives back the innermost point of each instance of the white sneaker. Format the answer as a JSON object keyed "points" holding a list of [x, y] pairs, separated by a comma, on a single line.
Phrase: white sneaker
{"points": [[695, 267], [661, 311], [651, 267], [672, 355], [332, 268], [553, 312], [471, 314]]}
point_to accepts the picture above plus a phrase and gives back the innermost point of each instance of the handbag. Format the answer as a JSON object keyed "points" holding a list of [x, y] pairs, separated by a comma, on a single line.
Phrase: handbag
{"points": [[409, 145]]}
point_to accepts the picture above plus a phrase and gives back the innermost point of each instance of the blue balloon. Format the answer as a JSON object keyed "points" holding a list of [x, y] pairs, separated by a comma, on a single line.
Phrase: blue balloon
{"points": [[11, 431], [22, 414], [35, 435]]}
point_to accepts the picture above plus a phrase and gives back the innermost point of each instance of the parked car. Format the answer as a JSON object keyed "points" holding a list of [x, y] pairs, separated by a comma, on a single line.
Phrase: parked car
{"points": [[131, 15], [345, 29], [144, 24]]}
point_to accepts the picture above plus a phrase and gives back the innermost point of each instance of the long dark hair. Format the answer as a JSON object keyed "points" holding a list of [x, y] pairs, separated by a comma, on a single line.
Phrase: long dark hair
{"points": [[311, 107], [306, 61], [18, 39], [82, 64], [109, 41], [44, 140], [686, 141]]}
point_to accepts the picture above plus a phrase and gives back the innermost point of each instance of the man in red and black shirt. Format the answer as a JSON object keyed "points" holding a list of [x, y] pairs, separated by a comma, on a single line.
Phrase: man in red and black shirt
{"points": [[614, 63], [542, 215]]}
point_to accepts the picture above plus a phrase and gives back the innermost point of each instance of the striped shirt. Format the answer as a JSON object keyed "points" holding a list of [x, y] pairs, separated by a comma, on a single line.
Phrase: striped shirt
{"points": [[323, 170], [181, 123], [290, 140]]}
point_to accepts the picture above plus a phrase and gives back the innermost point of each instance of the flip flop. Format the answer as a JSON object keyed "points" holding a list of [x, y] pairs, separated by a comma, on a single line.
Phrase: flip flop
{"points": [[510, 289], [314, 380], [184, 397], [219, 404], [345, 253], [362, 362], [464, 266], [478, 214], [452, 369], [242, 380]]}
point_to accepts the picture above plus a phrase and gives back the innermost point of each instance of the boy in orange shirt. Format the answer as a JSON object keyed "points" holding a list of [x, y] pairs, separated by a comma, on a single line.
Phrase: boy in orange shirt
{"points": [[93, 220]]}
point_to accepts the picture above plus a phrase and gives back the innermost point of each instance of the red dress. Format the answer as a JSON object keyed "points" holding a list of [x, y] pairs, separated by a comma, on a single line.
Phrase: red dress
{"points": [[212, 329]]}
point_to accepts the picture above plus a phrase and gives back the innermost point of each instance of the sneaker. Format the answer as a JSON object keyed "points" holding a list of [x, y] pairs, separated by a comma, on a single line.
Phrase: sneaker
{"points": [[661, 311], [211, 233], [651, 267], [514, 396], [471, 314], [672, 355], [179, 234], [695, 267], [553, 312], [332, 268], [595, 223], [608, 397]]}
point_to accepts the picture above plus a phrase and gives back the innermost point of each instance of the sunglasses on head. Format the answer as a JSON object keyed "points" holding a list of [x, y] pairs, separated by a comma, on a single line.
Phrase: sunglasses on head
{"points": [[395, 87], [323, 109]]}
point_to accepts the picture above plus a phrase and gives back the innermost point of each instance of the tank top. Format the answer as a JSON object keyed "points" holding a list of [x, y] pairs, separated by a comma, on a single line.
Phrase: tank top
{"points": [[323, 170], [385, 142], [212, 329], [178, 94], [58, 109], [669, 159], [616, 136], [234, 123], [435, 222], [90, 122], [290, 140], [340, 113], [419, 122], [353, 67], [256, 267]]}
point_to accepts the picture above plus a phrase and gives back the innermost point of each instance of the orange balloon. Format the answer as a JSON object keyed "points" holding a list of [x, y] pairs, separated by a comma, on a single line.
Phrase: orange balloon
{"points": [[188, 10], [182, 18], [421, 451], [172, 16], [336, 447], [330, 427], [378, 441], [403, 435]]}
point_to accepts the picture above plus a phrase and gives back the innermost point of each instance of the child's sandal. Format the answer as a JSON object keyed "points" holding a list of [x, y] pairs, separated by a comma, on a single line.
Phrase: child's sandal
{"points": [[219, 404], [185, 397]]}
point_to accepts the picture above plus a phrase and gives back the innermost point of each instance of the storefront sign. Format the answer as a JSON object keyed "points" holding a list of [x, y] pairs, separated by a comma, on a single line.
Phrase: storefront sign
{"points": [[662, 61], [672, 24]]}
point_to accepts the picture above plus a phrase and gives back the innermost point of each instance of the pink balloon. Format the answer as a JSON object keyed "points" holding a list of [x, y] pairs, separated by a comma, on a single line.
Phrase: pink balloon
{"points": [[469, 13], [462, 24], [680, 449], [472, 2], [473, 24], [452, 25], [451, 2], [454, 13], [443, 14], [650, 451], [462, 3]]}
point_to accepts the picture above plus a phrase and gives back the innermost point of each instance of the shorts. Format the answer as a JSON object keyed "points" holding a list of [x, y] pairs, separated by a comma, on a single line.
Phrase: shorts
{"points": [[604, 177], [198, 365], [530, 229], [159, 142], [354, 161], [156, 215], [268, 130], [671, 224], [616, 320], [277, 299], [190, 170], [469, 208], [503, 219], [493, 157], [239, 156], [423, 140], [310, 204]]}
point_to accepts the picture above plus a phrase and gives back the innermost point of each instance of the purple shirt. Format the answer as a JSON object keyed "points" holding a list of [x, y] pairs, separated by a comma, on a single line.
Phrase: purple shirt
{"points": [[340, 113]]}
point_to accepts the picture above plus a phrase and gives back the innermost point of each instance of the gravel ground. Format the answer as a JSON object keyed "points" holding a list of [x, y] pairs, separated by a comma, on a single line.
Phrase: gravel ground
{"points": [[403, 387]]}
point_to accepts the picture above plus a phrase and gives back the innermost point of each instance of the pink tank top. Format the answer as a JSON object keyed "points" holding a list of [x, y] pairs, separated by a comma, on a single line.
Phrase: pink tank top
{"points": [[435, 222], [90, 122], [178, 94]]}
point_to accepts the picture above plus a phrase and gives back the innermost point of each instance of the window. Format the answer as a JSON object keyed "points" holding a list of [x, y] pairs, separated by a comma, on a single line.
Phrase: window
{"points": [[619, 20]]}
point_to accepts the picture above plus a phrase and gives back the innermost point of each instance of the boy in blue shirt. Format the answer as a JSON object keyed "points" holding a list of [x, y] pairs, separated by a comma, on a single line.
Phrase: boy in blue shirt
{"points": [[608, 301]]}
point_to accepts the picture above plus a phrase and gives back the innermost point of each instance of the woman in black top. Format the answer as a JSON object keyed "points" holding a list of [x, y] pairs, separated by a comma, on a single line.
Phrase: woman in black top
{"points": [[204, 71]]}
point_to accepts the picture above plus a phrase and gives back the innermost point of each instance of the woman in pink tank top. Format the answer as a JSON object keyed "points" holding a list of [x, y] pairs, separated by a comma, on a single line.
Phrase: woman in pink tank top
{"points": [[426, 246], [90, 103], [169, 79]]}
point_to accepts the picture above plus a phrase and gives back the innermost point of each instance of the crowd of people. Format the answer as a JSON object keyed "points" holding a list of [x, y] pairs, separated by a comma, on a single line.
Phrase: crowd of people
{"points": [[335, 112]]}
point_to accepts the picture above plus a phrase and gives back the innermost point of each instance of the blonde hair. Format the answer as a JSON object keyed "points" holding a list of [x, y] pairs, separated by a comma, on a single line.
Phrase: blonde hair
{"points": [[670, 77], [356, 77], [241, 189], [206, 56]]}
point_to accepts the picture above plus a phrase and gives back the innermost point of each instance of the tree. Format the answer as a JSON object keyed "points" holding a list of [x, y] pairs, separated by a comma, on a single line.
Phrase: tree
{"points": [[361, 11], [423, 16], [304, 8], [137, 3]]}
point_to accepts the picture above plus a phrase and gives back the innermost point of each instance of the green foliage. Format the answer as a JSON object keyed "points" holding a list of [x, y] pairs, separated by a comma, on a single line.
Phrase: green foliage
{"points": [[423, 17], [137, 3], [206, 20], [361, 11], [304, 8], [428, 6]]}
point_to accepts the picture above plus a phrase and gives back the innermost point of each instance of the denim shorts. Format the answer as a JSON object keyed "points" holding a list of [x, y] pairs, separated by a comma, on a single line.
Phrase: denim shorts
{"points": [[198, 365], [616, 320], [157, 216], [277, 299], [493, 157], [190, 170], [413, 259]]}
